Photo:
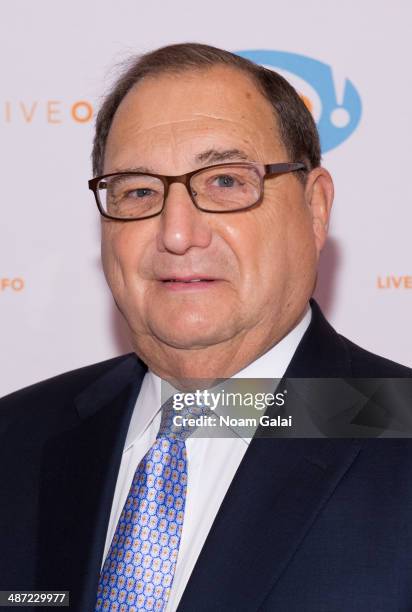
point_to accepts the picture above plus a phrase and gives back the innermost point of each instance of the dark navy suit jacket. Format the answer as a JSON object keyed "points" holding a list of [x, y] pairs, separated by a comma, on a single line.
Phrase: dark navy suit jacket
{"points": [[307, 525]]}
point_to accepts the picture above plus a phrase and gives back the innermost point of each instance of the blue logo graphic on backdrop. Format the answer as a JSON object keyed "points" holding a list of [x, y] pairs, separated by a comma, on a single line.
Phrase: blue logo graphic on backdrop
{"points": [[338, 118]]}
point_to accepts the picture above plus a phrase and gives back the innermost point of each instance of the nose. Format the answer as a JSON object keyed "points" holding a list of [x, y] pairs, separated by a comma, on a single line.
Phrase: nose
{"points": [[182, 225]]}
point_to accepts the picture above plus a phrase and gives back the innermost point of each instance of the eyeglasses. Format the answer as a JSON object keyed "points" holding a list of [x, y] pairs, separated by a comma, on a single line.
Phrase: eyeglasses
{"points": [[223, 188]]}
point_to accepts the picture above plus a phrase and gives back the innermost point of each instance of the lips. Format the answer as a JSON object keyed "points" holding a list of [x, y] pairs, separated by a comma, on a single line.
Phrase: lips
{"points": [[187, 279], [190, 283], [194, 280]]}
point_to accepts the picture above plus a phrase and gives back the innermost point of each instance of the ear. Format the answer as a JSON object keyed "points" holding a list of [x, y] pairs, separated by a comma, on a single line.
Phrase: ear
{"points": [[319, 197]]}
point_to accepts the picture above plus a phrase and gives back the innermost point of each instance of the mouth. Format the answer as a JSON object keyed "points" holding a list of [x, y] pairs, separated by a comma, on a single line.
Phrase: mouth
{"points": [[188, 282]]}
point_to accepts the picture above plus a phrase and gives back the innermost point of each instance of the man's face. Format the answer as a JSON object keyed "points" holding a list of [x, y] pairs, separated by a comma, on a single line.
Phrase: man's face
{"points": [[260, 263]]}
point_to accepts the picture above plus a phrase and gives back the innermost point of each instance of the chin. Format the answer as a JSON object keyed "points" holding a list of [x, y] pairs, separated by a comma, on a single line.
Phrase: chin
{"points": [[191, 334]]}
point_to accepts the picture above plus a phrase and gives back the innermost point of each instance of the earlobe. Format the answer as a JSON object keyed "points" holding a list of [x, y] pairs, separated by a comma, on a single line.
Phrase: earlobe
{"points": [[319, 197]]}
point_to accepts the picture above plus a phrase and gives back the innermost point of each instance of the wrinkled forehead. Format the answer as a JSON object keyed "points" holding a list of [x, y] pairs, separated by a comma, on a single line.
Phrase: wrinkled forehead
{"points": [[204, 105]]}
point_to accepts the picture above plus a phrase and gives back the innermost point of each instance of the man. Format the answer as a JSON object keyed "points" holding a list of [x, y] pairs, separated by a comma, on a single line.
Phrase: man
{"points": [[214, 212]]}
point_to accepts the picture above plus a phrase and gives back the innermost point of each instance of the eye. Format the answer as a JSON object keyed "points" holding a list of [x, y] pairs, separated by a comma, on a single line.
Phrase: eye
{"points": [[225, 180], [142, 192]]}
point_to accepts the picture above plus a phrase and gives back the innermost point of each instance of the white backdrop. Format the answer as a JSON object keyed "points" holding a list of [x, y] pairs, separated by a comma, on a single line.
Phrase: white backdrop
{"points": [[57, 60]]}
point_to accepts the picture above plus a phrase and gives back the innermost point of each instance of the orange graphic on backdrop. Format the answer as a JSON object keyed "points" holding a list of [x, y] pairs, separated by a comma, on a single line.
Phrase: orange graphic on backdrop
{"points": [[12, 284], [307, 102], [50, 111], [394, 282]]}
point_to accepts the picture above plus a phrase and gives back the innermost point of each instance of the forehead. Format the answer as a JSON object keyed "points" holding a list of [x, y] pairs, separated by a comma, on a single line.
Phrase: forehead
{"points": [[188, 111]]}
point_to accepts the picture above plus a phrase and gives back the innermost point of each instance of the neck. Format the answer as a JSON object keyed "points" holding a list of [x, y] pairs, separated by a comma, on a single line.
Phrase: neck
{"points": [[195, 367]]}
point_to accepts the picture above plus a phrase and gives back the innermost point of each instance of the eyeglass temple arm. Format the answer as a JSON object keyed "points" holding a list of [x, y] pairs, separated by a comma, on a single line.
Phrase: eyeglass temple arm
{"points": [[286, 167]]}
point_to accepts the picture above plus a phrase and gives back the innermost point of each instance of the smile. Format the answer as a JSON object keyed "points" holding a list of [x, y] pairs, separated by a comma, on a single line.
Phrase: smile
{"points": [[193, 280], [184, 283]]}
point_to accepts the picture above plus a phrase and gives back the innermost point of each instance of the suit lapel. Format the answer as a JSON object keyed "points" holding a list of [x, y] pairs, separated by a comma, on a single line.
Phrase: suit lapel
{"points": [[276, 495], [277, 492], [79, 472]]}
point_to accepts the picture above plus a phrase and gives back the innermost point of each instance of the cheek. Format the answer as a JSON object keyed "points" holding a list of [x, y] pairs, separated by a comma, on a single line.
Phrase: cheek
{"points": [[274, 244], [301, 242], [121, 254], [108, 256], [258, 243]]}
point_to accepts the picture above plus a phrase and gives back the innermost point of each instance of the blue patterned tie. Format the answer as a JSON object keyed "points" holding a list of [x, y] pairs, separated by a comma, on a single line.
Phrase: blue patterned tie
{"points": [[139, 567]]}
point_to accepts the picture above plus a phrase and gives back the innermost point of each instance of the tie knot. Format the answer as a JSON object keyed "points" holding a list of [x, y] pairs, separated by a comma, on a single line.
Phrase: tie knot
{"points": [[179, 424]]}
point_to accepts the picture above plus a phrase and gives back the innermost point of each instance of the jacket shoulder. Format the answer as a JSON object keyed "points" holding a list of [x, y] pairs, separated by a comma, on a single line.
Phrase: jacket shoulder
{"points": [[33, 414], [369, 365], [324, 353], [66, 385]]}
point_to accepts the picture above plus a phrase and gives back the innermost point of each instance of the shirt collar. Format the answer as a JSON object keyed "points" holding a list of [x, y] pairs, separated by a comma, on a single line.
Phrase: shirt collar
{"points": [[148, 404], [272, 364]]}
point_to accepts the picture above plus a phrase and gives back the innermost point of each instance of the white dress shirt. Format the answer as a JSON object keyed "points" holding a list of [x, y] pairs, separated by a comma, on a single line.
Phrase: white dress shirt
{"points": [[212, 462]]}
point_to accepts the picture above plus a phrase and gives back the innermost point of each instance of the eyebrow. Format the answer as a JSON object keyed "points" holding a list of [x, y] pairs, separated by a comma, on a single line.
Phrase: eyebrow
{"points": [[214, 155], [142, 169], [211, 156]]}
